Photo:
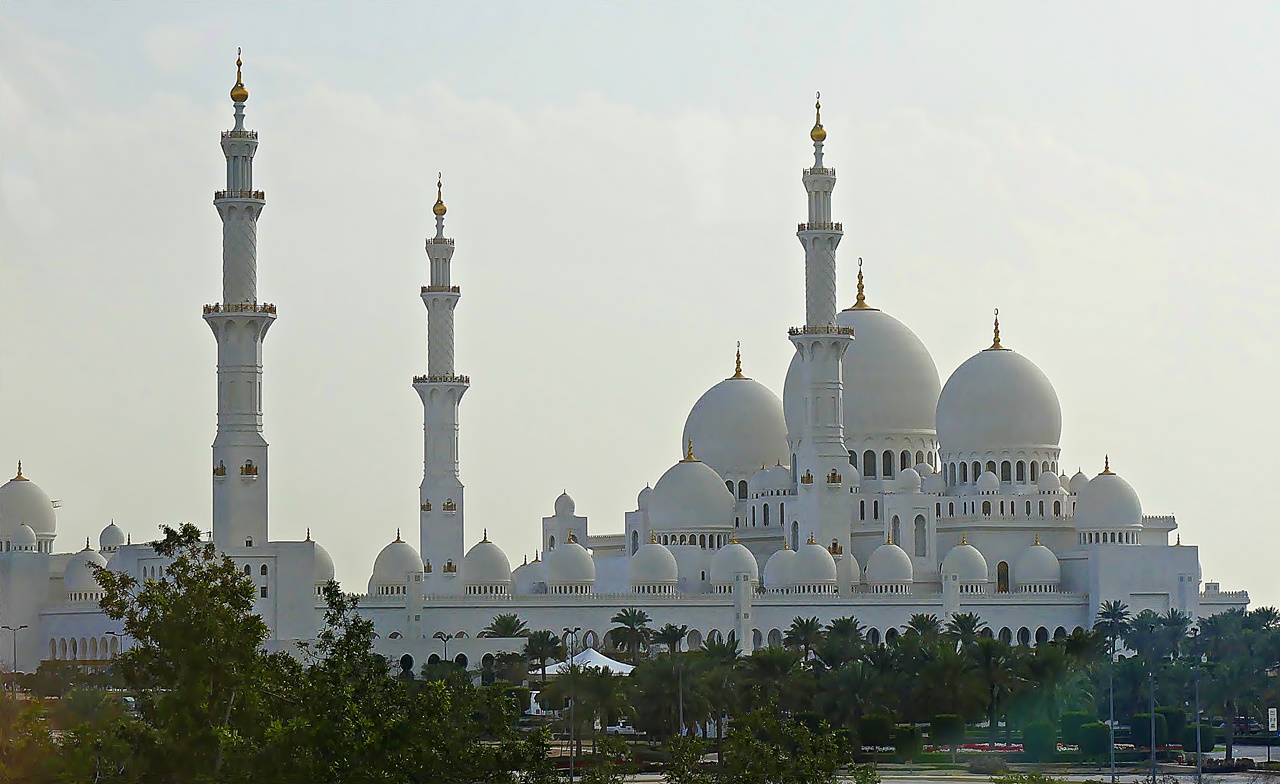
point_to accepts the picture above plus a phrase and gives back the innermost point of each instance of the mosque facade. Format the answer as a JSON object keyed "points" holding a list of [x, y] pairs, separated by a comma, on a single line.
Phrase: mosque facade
{"points": [[870, 489]]}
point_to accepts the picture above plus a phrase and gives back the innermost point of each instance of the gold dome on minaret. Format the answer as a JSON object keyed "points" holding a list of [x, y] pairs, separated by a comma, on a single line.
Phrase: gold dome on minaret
{"points": [[439, 209], [818, 134], [238, 93]]}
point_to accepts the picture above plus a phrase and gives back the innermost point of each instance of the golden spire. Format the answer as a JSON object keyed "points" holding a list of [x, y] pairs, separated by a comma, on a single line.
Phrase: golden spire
{"points": [[733, 537], [811, 539], [964, 538], [398, 539], [688, 456], [995, 344], [861, 303], [485, 538], [20, 477], [308, 534], [653, 537], [238, 93], [818, 134], [571, 537], [1037, 539], [86, 543], [439, 209], [785, 544], [737, 362], [1106, 467]]}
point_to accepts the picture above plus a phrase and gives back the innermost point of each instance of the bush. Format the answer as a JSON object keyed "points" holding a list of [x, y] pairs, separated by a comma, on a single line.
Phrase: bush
{"points": [[988, 765], [1208, 738], [1040, 741], [865, 774], [1175, 720], [875, 729], [1095, 740], [1140, 730], [1025, 778], [908, 741], [1071, 723], [947, 729]]}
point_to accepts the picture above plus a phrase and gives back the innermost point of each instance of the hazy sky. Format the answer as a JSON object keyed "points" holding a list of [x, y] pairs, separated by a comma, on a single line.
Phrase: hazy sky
{"points": [[623, 182]]}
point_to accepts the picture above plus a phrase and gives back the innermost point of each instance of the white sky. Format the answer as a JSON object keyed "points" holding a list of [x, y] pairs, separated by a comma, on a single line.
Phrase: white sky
{"points": [[623, 181]]}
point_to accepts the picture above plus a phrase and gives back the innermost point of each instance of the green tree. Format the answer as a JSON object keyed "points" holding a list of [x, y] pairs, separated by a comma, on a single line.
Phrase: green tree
{"points": [[506, 625], [1040, 741], [632, 631], [964, 629], [805, 634], [765, 747], [543, 646], [996, 669], [947, 729], [671, 636], [926, 626]]}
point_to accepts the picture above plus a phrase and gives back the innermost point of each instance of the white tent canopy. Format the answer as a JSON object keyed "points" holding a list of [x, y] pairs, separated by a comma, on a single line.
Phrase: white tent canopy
{"points": [[591, 658]]}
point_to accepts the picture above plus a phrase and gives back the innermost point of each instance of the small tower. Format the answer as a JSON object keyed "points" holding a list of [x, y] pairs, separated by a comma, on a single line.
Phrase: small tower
{"points": [[240, 325], [441, 390]]}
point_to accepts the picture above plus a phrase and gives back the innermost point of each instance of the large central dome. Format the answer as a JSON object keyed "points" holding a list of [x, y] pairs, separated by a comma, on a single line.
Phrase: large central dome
{"points": [[998, 400], [737, 426]]}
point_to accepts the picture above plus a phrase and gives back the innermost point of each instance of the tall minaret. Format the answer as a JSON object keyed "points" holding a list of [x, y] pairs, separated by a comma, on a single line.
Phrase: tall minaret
{"points": [[239, 324], [822, 463], [441, 391]]}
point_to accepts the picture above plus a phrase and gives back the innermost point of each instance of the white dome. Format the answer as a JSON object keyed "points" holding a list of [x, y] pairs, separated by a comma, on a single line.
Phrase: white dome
{"points": [[690, 496], [485, 564], [642, 500], [22, 501], [111, 538], [731, 560], [1048, 483], [322, 564], [924, 470], [998, 400], [395, 563], [890, 381], [793, 399], [24, 537], [779, 569], [908, 481], [966, 561], [1079, 482], [1108, 502], [1064, 481], [889, 563], [988, 482], [653, 564], [78, 577], [571, 564], [813, 565], [528, 577], [737, 426], [1037, 565], [935, 483], [565, 507]]}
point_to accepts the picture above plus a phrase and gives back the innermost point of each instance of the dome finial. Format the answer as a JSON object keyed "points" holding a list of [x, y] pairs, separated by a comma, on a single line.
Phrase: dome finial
{"points": [[439, 209], [811, 539], [861, 303], [308, 539], [964, 538], [737, 362], [688, 455], [1179, 542], [995, 343], [398, 539], [485, 538], [571, 538], [86, 543], [238, 93], [1106, 466], [818, 134], [19, 477], [1037, 539], [653, 537]]}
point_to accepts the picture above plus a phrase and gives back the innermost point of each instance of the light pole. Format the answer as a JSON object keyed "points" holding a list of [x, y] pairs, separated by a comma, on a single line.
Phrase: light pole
{"points": [[573, 645], [1200, 661], [680, 681], [14, 631], [444, 638], [1151, 687], [1111, 700]]}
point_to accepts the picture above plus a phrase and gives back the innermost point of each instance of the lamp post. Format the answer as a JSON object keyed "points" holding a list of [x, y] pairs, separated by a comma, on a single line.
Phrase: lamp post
{"points": [[1200, 662], [14, 631], [444, 638], [1111, 701], [1151, 687], [573, 645]]}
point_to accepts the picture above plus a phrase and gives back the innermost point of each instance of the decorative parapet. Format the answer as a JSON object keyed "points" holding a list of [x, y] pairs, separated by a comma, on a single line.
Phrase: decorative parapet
{"points": [[834, 478], [824, 170], [450, 289], [248, 469], [440, 241], [807, 479], [240, 135], [825, 329], [450, 567], [820, 226], [447, 378], [426, 507], [260, 195], [220, 469], [449, 505], [240, 307]]}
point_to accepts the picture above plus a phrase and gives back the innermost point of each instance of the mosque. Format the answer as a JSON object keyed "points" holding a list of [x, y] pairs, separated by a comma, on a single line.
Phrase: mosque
{"points": [[870, 489]]}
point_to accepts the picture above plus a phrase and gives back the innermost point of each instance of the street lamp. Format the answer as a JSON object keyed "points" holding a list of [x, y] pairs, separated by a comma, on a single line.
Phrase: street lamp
{"points": [[573, 645], [444, 638], [14, 631], [1202, 660]]}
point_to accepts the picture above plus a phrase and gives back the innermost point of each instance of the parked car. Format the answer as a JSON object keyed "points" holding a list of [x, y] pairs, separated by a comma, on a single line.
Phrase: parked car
{"points": [[621, 728]]}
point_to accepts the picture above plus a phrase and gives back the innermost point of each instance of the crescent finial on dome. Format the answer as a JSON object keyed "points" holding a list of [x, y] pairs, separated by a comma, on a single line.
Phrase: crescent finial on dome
{"points": [[688, 457], [811, 539], [20, 477], [238, 93], [818, 134], [861, 303], [485, 538], [1037, 544], [653, 537], [737, 362], [964, 538], [398, 539], [439, 209], [995, 343], [1106, 466]]}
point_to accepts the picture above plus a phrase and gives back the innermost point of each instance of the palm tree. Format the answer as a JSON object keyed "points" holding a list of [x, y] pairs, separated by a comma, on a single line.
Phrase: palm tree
{"points": [[947, 683], [843, 643], [632, 631], [507, 625], [847, 628], [804, 633], [1113, 622], [604, 696], [766, 672], [926, 626], [965, 629], [671, 636], [1143, 636], [720, 652], [542, 646], [1175, 626], [995, 664]]}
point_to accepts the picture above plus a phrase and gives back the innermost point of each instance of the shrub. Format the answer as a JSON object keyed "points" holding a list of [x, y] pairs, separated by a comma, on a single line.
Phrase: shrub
{"points": [[1025, 778], [865, 774], [947, 729], [1140, 730], [1071, 723], [1208, 737], [1040, 741], [908, 741], [1095, 740], [1175, 720], [988, 765], [875, 729]]}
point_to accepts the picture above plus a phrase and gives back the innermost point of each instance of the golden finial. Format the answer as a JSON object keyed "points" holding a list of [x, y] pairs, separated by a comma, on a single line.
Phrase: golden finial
{"points": [[653, 537], [995, 344], [786, 545], [688, 456], [19, 477], [238, 93], [733, 537], [1037, 544], [737, 362], [1179, 542], [811, 539], [439, 209], [1106, 467], [888, 539], [818, 134], [537, 556], [964, 538], [86, 543], [485, 538], [571, 537], [861, 303], [398, 539], [308, 534]]}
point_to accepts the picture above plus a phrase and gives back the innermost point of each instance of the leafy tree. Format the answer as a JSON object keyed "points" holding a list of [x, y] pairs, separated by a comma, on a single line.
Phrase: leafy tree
{"points": [[1140, 727], [671, 636], [686, 754], [632, 632], [805, 634], [506, 625], [996, 670], [1095, 739], [947, 729], [1070, 723], [926, 626], [27, 749], [765, 747], [908, 741], [1040, 741], [766, 672], [965, 629], [543, 646]]}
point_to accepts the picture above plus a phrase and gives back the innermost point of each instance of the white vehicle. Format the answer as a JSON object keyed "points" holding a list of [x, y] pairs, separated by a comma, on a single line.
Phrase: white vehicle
{"points": [[621, 728]]}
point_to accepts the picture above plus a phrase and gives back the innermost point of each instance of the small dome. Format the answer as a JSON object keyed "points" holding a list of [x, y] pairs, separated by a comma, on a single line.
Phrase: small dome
{"points": [[395, 563], [997, 400], [24, 538], [1037, 565], [322, 565], [966, 561], [731, 560], [485, 564], [908, 481], [111, 538], [642, 500], [813, 565], [771, 479], [934, 483], [22, 501], [529, 578], [78, 577], [565, 507], [737, 426], [653, 564], [988, 483], [1065, 482], [889, 564], [690, 496], [1048, 483], [571, 564], [1108, 501], [779, 569], [1079, 482], [924, 469]]}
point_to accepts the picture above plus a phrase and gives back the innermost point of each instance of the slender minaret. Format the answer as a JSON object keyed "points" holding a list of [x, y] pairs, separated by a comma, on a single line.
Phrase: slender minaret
{"points": [[239, 324], [441, 391], [822, 461]]}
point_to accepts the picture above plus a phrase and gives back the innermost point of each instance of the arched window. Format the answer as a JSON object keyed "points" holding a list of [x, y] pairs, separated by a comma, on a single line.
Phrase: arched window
{"points": [[875, 509], [551, 542], [1024, 636], [1022, 471], [775, 638], [862, 510], [1028, 507], [853, 458], [742, 489], [1002, 507], [952, 474], [1006, 471], [873, 636], [869, 464], [1035, 470], [728, 485], [757, 640], [1057, 508], [986, 508], [635, 542], [886, 464], [263, 570], [976, 470], [937, 509], [964, 473], [951, 509], [1002, 577], [1041, 508], [922, 541], [795, 535], [919, 457], [782, 513], [766, 514], [905, 461], [702, 541], [753, 517], [1042, 635], [248, 571], [991, 466], [1006, 636], [895, 531], [1045, 466], [890, 634], [53, 648], [248, 542], [682, 538]]}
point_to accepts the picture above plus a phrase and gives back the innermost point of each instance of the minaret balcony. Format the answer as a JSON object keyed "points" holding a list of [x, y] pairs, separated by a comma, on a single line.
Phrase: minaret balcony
{"points": [[239, 134], [441, 289], [820, 226], [440, 241], [445, 378], [819, 170], [241, 307], [259, 195], [826, 329]]}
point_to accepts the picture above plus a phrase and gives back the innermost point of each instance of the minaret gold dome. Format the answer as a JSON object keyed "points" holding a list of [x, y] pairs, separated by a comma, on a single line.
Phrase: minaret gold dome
{"points": [[238, 93], [818, 134], [439, 209]]}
